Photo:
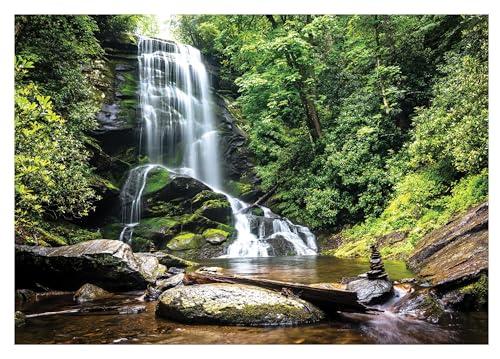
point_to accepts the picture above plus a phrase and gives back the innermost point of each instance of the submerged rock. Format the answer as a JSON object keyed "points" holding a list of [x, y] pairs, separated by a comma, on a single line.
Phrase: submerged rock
{"points": [[371, 291], [232, 304], [89, 292], [456, 253], [110, 264]]}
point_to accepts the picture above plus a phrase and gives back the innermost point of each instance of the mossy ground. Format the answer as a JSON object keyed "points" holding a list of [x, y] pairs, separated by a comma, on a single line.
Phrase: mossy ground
{"points": [[239, 189], [63, 233]]}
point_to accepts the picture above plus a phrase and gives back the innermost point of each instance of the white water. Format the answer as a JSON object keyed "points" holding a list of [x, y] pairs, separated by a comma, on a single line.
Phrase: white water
{"points": [[179, 132], [130, 197]]}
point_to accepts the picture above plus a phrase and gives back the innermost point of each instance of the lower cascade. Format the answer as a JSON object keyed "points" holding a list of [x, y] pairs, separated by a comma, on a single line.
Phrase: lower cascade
{"points": [[178, 133]]}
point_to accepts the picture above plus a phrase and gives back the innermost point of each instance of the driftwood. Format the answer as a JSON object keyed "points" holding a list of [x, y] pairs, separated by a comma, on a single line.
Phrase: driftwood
{"points": [[94, 310], [327, 299]]}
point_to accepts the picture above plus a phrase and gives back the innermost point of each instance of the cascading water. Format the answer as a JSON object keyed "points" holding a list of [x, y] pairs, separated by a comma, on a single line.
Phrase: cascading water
{"points": [[178, 133], [130, 197]]}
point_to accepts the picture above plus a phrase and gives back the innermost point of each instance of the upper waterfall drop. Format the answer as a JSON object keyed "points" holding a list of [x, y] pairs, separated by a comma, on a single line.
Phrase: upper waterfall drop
{"points": [[179, 134], [178, 126]]}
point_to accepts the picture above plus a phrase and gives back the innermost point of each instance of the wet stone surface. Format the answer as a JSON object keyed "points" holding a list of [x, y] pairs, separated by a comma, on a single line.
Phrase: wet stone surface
{"points": [[233, 304]]}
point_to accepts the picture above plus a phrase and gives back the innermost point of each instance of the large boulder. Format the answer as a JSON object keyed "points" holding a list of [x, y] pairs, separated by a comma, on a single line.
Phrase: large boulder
{"points": [[110, 264], [456, 253], [231, 304]]}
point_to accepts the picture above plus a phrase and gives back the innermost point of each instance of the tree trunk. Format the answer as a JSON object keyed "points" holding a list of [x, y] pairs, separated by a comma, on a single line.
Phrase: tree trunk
{"points": [[306, 94], [379, 65]]}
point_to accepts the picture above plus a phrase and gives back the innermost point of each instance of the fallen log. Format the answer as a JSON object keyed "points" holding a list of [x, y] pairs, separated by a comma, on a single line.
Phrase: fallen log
{"points": [[326, 299]]}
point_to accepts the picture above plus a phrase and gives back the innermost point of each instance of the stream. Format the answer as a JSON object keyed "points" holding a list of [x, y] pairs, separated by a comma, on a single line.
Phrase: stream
{"points": [[145, 328]]}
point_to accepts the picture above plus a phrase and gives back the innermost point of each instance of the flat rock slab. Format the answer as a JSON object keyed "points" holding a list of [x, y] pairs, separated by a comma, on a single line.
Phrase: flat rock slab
{"points": [[371, 291], [109, 264], [234, 304], [455, 253]]}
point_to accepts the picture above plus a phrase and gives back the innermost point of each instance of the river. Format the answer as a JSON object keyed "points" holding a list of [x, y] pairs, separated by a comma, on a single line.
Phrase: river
{"points": [[144, 328]]}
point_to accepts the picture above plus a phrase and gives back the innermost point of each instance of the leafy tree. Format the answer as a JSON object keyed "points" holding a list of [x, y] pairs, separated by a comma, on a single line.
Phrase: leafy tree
{"points": [[64, 48], [52, 177]]}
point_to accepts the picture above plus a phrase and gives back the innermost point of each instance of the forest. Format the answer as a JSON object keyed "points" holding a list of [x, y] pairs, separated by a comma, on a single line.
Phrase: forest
{"points": [[348, 138]]}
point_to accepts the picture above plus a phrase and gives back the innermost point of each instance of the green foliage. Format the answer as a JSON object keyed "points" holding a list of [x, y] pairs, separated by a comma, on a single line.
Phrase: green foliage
{"points": [[468, 192], [51, 175], [419, 206], [402, 106], [63, 49], [478, 290], [454, 128]]}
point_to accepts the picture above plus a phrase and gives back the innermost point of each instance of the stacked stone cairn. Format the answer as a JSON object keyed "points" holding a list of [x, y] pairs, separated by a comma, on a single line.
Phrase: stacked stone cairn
{"points": [[376, 267]]}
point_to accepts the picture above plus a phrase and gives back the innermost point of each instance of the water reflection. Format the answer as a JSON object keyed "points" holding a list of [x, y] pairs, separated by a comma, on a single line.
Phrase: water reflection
{"points": [[305, 269]]}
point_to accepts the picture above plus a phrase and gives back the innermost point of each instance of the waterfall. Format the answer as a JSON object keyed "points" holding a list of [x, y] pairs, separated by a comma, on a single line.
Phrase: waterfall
{"points": [[178, 126], [178, 133]]}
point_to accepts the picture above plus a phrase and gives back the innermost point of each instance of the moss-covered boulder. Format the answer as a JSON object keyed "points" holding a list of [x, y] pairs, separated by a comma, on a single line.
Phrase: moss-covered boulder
{"points": [[177, 213], [186, 240], [157, 179], [231, 304], [215, 236], [218, 210], [181, 190], [110, 264]]}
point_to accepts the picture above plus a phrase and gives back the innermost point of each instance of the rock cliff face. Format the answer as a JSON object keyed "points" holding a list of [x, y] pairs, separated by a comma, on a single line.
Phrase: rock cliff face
{"points": [[456, 253], [114, 144], [452, 262]]}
